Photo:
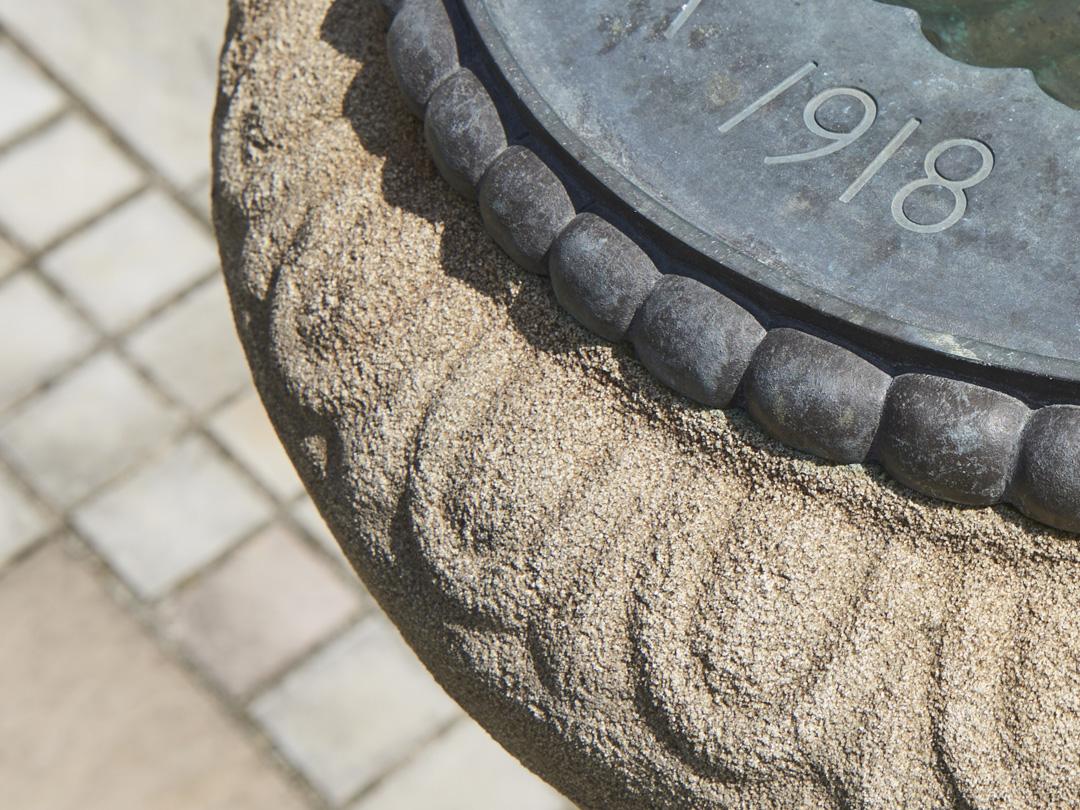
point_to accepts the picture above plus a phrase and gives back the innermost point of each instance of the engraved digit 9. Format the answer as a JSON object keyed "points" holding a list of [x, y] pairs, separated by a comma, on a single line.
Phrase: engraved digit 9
{"points": [[932, 178], [840, 139]]}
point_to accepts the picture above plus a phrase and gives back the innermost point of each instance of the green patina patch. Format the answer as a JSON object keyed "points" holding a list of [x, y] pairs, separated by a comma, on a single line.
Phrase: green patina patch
{"points": [[1043, 35]]}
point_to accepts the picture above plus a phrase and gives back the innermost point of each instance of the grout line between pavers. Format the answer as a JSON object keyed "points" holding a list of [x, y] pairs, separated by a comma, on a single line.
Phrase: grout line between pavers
{"points": [[144, 610], [158, 178], [348, 574], [192, 424], [405, 760], [307, 653], [318, 648], [33, 130], [77, 228], [146, 617]]}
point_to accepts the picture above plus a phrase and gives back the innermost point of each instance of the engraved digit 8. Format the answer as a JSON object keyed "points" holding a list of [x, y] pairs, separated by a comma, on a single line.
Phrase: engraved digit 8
{"points": [[932, 178], [841, 139]]}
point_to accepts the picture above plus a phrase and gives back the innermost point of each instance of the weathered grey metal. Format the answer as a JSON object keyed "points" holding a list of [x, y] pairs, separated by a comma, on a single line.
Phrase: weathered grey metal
{"points": [[1046, 484], [948, 438], [423, 50], [961, 242]]}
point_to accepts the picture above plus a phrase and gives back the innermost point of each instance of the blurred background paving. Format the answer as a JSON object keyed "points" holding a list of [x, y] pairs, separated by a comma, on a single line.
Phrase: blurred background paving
{"points": [[177, 628]]}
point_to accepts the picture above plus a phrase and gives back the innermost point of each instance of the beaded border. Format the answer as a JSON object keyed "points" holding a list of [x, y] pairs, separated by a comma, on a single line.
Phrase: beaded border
{"points": [[947, 438]]}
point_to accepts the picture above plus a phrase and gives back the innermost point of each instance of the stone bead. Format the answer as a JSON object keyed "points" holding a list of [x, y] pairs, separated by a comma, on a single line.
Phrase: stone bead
{"points": [[422, 49], [524, 206], [815, 396], [950, 439], [600, 275], [695, 339], [388, 8], [463, 131], [1047, 481]]}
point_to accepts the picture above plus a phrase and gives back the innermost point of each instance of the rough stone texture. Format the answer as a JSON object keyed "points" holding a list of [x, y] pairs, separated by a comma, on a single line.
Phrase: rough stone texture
{"points": [[815, 395], [463, 132], [695, 339], [652, 604], [600, 275], [524, 206]]}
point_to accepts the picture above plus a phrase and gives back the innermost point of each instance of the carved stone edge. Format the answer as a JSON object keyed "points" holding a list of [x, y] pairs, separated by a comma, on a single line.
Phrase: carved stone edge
{"points": [[950, 439]]}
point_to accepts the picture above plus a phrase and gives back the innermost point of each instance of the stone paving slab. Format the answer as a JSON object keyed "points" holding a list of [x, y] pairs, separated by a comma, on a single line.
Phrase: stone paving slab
{"points": [[59, 179], [22, 518], [191, 350], [41, 332], [354, 710], [466, 768], [133, 260], [244, 429], [10, 257], [91, 425], [172, 517], [148, 67], [267, 605], [93, 716], [307, 516], [29, 97]]}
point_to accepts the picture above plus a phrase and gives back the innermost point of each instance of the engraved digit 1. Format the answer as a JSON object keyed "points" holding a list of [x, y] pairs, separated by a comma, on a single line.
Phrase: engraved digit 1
{"points": [[882, 158], [794, 78], [684, 15], [840, 139], [957, 187]]}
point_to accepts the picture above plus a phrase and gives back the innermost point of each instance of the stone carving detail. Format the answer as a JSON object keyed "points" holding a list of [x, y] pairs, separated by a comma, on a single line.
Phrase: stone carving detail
{"points": [[650, 603]]}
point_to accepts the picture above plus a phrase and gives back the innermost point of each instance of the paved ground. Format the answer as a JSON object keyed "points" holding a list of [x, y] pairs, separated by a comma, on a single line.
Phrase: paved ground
{"points": [[177, 628]]}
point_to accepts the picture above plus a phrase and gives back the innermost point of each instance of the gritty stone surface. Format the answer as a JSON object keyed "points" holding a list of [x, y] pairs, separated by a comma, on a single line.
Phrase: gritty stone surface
{"points": [[650, 603]]}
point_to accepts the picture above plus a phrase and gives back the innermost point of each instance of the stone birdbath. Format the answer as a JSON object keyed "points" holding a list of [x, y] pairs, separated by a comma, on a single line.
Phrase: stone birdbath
{"points": [[651, 602]]}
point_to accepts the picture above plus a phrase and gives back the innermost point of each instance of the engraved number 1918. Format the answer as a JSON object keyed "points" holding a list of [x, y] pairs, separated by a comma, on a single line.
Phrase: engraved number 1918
{"points": [[842, 139]]}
